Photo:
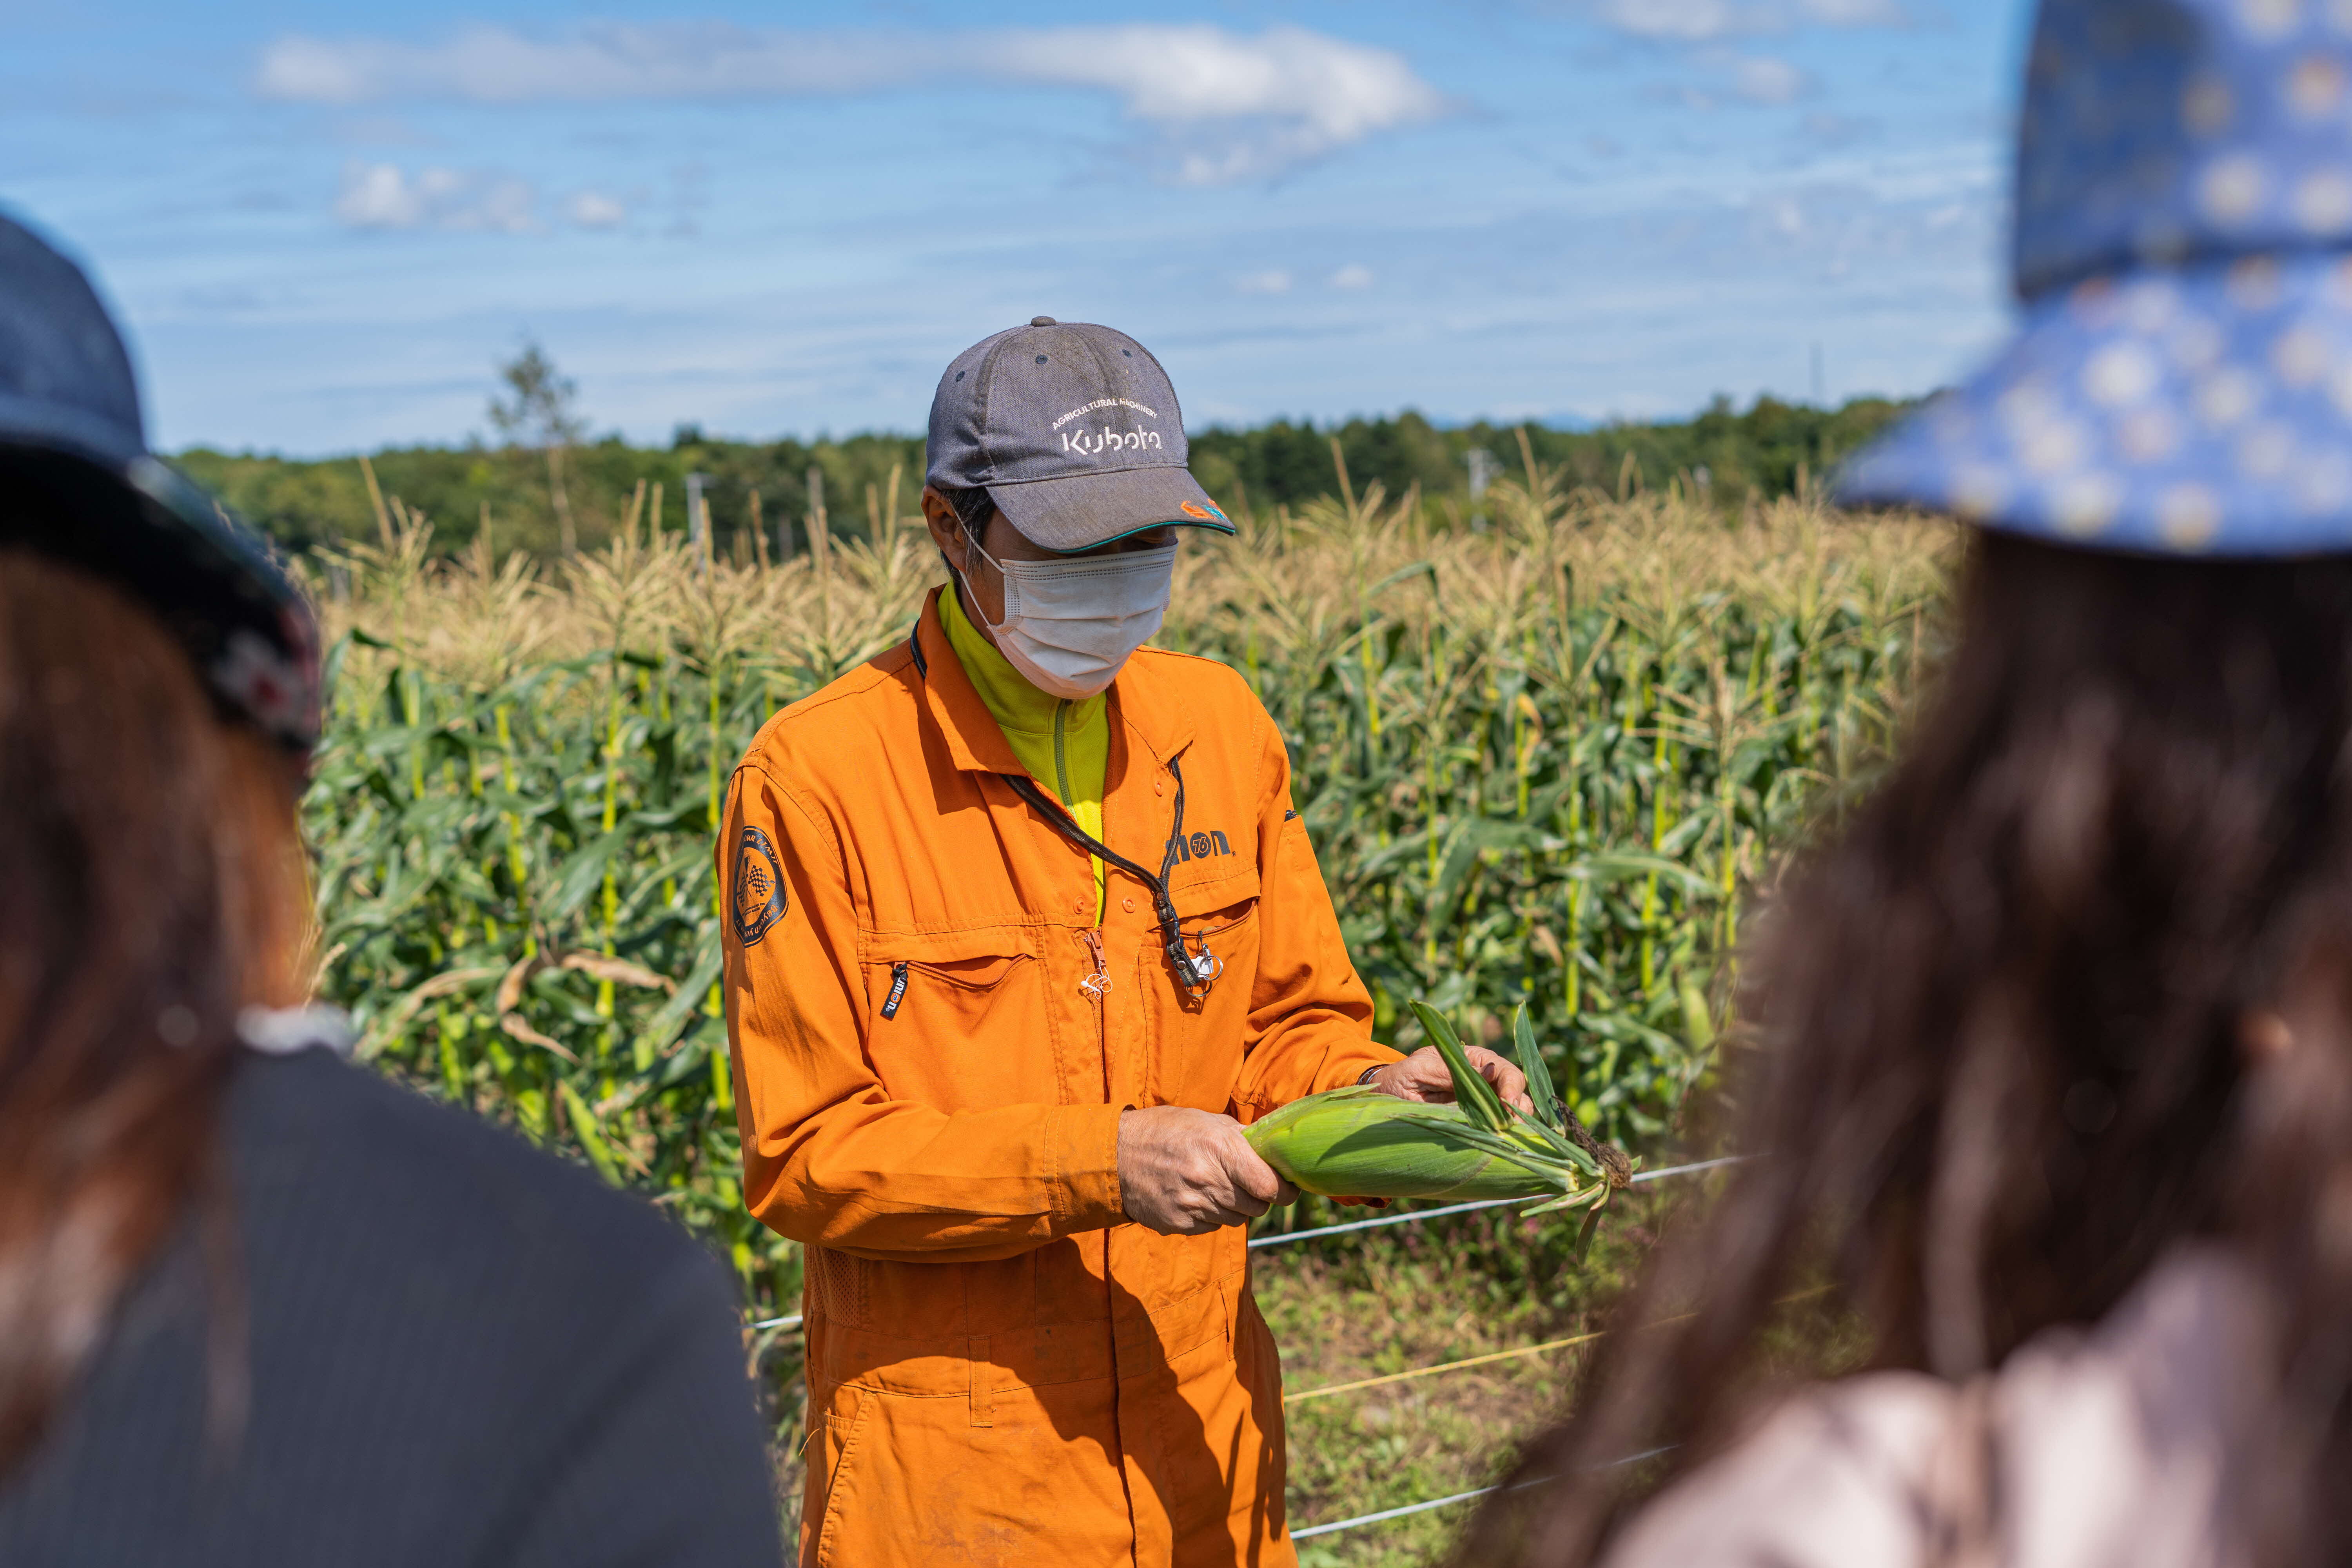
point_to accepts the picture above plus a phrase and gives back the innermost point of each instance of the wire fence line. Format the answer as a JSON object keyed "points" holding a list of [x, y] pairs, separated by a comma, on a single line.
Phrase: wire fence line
{"points": [[1388, 1513], [1284, 1238], [1279, 1238], [1306, 1394]]}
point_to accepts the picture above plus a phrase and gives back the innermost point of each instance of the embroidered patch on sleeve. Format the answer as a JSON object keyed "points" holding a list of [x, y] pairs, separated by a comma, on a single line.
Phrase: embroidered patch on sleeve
{"points": [[758, 887]]}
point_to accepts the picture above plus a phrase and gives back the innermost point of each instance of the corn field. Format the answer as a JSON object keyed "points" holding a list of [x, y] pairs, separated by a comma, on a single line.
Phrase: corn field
{"points": [[1545, 760]]}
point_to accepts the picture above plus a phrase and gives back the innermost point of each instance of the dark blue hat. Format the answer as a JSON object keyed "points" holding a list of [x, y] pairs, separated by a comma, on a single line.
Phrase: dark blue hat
{"points": [[2182, 382], [81, 486]]}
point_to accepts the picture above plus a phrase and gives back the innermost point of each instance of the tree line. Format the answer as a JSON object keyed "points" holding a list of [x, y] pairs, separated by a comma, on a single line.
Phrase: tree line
{"points": [[541, 488]]}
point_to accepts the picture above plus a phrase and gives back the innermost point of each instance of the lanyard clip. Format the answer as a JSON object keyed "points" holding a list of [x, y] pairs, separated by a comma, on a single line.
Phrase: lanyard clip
{"points": [[1198, 970]]}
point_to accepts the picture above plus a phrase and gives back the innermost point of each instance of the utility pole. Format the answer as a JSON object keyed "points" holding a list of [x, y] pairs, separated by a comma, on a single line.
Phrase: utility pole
{"points": [[1485, 470], [697, 521]]}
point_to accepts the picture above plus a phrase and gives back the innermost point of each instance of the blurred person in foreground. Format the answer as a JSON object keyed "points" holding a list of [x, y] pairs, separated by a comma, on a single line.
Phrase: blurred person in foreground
{"points": [[1024, 924], [258, 1306], [2054, 1077]]}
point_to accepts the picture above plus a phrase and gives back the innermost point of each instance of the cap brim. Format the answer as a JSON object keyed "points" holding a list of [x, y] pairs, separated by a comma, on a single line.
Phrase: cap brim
{"points": [[1079, 511], [2191, 411], [147, 528]]}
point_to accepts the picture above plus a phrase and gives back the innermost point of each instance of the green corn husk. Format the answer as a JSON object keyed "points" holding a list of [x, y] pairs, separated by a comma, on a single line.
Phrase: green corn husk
{"points": [[1361, 1143]]}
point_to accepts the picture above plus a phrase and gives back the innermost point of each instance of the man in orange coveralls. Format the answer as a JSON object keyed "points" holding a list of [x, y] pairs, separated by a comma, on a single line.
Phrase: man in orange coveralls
{"points": [[1023, 929]]}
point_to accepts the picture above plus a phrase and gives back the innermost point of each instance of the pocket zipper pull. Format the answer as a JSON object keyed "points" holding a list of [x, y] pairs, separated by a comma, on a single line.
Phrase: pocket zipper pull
{"points": [[897, 991], [1095, 986]]}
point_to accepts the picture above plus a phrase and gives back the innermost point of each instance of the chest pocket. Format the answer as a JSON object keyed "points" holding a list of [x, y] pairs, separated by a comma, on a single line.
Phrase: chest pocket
{"points": [[1210, 910], [959, 1020], [1197, 1041]]}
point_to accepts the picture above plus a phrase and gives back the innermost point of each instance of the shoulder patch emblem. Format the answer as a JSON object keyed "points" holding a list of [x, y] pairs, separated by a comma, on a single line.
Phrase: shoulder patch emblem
{"points": [[758, 887]]}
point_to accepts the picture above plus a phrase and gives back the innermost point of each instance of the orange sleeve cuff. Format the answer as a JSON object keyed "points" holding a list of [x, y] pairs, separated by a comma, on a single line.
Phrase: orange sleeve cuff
{"points": [[1085, 1143]]}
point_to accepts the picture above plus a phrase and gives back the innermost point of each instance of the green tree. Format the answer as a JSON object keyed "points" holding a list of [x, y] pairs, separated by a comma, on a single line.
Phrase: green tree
{"points": [[539, 411]]}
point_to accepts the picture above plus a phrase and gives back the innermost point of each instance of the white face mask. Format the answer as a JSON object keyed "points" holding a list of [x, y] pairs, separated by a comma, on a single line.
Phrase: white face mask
{"points": [[1069, 624]]}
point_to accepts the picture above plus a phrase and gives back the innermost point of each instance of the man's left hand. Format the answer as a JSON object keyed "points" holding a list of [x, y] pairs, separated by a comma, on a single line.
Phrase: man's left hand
{"points": [[1424, 1077]]}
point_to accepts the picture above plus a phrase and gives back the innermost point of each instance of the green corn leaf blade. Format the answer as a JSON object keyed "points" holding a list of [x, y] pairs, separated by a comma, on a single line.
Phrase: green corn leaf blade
{"points": [[1475, 1094], [591, 1137], [1531, 1062], [1696, 1022], [1585, 1232], [663, 1026], [1589, 1196], [1564, 1147], [583, 875], [1473, 1136]]}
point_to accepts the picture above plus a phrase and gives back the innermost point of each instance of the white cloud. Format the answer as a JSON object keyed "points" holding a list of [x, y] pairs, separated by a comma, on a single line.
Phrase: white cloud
{"points": [[385, 196], [1355, 275], [1762, 79], [1701, 21], [380, 195], [1273, 280], [1237, 106], [594, 209]]}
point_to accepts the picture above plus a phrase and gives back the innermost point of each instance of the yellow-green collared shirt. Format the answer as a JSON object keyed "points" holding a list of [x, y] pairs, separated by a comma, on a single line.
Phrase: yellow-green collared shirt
{"points": [[1064, 745]]}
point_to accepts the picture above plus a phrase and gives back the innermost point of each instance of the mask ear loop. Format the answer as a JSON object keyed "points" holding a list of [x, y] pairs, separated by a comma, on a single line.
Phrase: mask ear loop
{"points": [[971, 533]]}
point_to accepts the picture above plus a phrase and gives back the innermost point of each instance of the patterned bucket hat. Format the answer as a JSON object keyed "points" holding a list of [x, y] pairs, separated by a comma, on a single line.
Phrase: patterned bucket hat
{"points": [[2182, 380], [81, 486]]}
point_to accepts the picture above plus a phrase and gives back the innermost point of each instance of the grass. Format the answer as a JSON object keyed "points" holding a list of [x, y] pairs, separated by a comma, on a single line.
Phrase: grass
{"points": [[1414, 1297]]}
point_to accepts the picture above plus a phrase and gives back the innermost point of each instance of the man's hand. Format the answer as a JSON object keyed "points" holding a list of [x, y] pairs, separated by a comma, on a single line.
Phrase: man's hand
{"points": [[1423, 1075], [1187, 1172]]}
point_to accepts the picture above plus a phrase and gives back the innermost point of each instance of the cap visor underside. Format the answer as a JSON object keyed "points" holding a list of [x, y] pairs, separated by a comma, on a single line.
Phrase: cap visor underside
{"points": [[2192, 411], [1079, 511]]}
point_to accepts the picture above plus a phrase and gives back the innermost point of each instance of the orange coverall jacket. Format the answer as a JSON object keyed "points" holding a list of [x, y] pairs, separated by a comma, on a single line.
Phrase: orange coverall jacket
{"points": [[932, 1047]]}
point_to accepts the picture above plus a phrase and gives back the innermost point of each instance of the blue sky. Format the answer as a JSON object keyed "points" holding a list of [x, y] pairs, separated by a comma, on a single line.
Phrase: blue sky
{"points": [[324, 223]]}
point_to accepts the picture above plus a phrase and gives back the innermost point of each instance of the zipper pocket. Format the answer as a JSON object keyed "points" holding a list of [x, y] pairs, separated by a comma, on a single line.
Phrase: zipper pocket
{"points": [[902, 972]]}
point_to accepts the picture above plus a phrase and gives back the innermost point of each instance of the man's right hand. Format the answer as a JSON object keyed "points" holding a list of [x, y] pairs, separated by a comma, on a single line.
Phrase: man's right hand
{"points": [[1183, 1171]]}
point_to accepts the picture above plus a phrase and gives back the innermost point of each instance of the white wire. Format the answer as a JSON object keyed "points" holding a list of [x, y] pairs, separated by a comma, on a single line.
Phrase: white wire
{"points": [[1280, 1238], [1389, 1513], [1277, 1239], [1386, 1513]]}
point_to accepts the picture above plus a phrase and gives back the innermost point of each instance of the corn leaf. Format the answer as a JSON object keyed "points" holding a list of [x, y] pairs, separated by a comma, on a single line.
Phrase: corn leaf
{"points": [[591, 1136], [1474, 1094], [1539, 1087]]}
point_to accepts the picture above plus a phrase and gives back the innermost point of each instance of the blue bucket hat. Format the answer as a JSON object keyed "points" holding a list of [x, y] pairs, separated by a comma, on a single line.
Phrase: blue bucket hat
{"points": [[78, 484], [2182, 381]]}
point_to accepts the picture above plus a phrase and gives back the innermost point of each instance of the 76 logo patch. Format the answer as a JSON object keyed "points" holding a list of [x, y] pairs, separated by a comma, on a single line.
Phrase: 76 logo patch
{"points": [[758, 887]]}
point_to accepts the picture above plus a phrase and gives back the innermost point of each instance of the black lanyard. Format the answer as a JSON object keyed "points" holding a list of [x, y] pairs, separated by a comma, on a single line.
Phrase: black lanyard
{"points": [[1194, 971]]}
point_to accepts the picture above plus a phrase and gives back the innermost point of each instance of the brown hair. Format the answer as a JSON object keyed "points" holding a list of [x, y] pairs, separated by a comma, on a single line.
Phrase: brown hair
{"points": [[152, 884], [2000, 1019]]}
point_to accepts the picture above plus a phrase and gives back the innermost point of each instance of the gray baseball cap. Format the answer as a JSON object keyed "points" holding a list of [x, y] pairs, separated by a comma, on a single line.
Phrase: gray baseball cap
{"points": [[1073, 430]]}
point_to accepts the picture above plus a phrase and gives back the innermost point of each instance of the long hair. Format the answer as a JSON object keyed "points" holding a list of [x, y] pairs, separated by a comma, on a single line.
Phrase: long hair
{"points": [[151, 885], [2000, 1022]]}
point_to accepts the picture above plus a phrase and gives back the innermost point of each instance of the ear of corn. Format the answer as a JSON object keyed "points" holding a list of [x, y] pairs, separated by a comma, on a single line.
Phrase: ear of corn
{"points": [[1360, 1142]]}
